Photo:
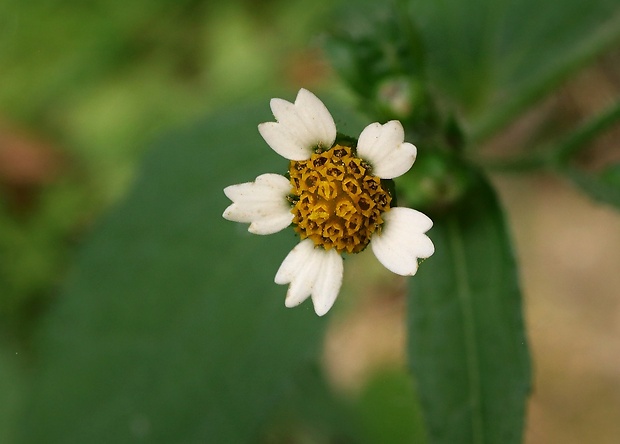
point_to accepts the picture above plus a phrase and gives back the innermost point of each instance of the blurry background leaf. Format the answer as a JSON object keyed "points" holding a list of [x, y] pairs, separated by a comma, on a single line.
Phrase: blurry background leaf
{"points": [[570, 152], [495, 58], [310, 411], [11, 392], [384, 411], [84, 88], [170, 329], [466, 334], [389, 410], [103, 78], [603, 186], [489, 60]]}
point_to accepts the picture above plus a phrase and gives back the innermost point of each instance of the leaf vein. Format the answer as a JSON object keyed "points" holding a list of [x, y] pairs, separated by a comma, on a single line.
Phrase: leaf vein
{"points": [[464, 294]]}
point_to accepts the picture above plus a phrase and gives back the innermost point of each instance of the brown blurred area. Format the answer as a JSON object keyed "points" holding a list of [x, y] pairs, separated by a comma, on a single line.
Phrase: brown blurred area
{"points": [[27, 163], [569, 250]]}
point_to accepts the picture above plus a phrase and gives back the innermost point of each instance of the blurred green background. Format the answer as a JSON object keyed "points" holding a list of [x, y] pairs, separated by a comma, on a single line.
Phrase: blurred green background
{"points": [[84, 89], [87, 87]]}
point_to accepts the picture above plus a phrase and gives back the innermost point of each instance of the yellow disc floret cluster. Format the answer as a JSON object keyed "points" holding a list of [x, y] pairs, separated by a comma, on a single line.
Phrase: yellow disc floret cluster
{"points": [[337, 201]]}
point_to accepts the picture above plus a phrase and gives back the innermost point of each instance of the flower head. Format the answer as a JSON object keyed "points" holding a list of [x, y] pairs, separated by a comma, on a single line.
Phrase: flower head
{"points": [[336, 198]]}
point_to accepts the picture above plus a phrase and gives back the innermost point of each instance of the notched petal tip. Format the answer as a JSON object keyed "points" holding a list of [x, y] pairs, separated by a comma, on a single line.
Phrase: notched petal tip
{"points": [[316, 118], [229, 191], [383, 146], [322, 310], [262, 203], [286, 141], [299, 126], [280, 107], [228, 213], [311, 272], [402, 241], [409, 151], [271, 225], [328, 282]]}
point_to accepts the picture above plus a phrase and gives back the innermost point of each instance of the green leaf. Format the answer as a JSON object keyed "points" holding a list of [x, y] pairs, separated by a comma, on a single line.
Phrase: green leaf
{"points": [[603, 187], [389, 410], [311, 411], [170, 328], [11, 392], [486, 60], [495, 58], [467, 344]]}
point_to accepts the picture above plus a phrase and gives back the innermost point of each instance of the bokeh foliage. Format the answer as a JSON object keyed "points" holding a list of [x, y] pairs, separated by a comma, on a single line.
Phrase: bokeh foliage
{"points": [[94, 84], [161, 319]]}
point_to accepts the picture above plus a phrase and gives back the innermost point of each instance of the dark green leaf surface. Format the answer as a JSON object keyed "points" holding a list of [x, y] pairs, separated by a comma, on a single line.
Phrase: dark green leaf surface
{"points": [[171, 328], [11, 392], [312, 412], [389, 410], [466, 335], [603, 187]]}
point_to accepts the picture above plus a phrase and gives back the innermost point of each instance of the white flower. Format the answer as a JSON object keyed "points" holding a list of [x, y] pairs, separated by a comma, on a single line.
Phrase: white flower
{"points": [[260, 204], [300, 126], [335, 199], [311, 271]]}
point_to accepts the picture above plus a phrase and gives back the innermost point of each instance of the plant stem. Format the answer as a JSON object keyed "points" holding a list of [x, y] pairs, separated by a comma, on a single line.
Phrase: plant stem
{"points": [[560, 153], [606, 36], [578, 139], [517, 164]]}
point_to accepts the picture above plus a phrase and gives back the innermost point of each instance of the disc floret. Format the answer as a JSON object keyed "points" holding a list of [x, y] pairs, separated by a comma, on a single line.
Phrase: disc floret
{"points": [[340, 202]]}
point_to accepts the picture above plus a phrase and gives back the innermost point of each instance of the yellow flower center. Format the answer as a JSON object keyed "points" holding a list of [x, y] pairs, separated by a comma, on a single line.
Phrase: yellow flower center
{"points": [[338, 203]]}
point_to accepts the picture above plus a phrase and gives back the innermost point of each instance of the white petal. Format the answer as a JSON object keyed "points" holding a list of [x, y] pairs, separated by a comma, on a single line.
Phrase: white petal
{"points": [[402, 240], [300, 268], [314, 111], [300, 126], [261, 203], [311, 271], [284, 142], [384, 148], [328, 283]]}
